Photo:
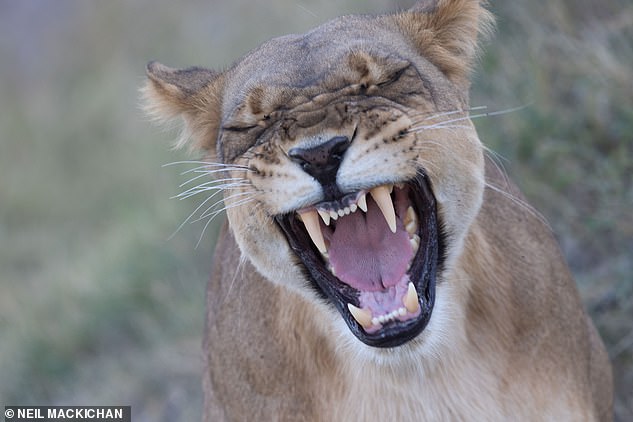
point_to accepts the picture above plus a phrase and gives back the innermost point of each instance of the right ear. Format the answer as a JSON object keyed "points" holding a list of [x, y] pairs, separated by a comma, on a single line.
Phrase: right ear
{"points": [[193, 94]]}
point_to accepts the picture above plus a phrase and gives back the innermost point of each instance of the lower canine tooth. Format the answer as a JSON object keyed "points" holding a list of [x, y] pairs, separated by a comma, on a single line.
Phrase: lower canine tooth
{"points": [[410, 300], [362, 316], [415, 243], [411, 227], [311, 222]]}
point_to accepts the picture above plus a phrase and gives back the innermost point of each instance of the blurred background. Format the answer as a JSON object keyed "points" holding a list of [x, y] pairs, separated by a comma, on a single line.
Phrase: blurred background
{"points": [[99, 306]]}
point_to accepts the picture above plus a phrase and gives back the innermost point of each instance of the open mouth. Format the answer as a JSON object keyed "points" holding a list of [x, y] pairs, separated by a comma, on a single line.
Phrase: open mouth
{"points": [[374, 254]]}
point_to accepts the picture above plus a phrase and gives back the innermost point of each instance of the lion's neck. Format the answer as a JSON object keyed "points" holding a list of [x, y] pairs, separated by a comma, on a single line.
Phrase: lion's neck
{"points": [[357, 382], [417, 392]]}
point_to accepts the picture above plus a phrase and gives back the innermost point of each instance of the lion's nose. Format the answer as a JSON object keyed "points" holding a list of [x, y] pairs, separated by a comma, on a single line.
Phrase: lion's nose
{"points": [[322, 161]]}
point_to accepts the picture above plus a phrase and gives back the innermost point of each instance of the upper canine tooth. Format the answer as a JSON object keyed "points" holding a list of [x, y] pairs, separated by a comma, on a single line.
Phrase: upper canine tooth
{"points": [[325, 216], [362, 202], [410, 300], [362, 316], [311, 222], [383, 200]]}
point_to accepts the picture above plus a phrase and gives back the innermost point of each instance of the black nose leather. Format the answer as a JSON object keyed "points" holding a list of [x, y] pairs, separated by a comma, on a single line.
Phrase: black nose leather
{"points": [[322, 162]]}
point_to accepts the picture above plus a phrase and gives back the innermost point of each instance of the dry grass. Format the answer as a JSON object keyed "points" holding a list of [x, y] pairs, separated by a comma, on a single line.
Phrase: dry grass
{"points": [[97, 306]]}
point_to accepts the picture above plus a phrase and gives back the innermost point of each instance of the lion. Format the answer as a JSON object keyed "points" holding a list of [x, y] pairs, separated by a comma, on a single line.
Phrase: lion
{"points": [[375, 265]]}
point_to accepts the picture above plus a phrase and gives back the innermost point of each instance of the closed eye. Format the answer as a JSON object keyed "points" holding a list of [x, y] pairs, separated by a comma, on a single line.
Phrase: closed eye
{"points": [[394, 77], [238, 128]]}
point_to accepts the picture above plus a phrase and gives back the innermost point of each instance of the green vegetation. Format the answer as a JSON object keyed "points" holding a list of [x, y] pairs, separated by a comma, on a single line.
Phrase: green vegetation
{"points": [[99, 307]]}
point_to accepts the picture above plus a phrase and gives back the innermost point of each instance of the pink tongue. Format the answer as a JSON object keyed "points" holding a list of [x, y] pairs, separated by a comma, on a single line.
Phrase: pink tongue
{"points": [[365, 254]]}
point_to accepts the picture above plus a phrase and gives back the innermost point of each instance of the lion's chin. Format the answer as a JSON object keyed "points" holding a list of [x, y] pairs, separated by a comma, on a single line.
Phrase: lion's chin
{"points": [[374, 255]]}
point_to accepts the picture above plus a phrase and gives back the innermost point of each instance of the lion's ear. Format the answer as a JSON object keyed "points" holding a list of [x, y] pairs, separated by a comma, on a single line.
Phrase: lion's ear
{"points": [[446, 33], [193, 94]]}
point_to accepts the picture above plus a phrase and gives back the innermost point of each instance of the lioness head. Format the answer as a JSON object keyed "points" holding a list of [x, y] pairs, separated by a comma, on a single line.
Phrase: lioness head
{"points": [[354, 172]]}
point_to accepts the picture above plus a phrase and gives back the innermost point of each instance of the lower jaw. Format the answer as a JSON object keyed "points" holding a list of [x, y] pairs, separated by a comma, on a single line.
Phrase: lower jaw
{"points": [[396, 333]]}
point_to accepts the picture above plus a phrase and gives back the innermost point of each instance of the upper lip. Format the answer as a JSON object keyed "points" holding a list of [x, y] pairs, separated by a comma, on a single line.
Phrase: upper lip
{"points": [[303, 232]]}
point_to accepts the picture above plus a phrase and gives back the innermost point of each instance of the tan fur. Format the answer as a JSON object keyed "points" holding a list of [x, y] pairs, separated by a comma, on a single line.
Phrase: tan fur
{"points": [[508, 338]]}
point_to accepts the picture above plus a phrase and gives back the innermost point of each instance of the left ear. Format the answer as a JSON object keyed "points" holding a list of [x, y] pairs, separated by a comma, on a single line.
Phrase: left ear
{"points": [[193, 94], [446, 33]]}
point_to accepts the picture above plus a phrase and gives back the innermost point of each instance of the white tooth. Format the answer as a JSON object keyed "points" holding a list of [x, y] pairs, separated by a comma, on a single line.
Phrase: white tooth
{"points": [[415, 243], [346, 210], [334, 215], [374, 321], [410, 216], [382, 319], [383, 200], [362, 202], [402, 311], [325, 216], [400, 185], [341, 213], [311, 222], [411, 227], [362, 316], [353, 207], [410, 300]]}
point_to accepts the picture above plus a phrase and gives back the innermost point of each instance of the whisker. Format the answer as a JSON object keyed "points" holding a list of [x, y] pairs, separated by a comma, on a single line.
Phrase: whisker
{"points": [[217, 190], [452, 128], [216, 213], [228, 179], [198, 189], [216, 186], [210, 210], [497, 160], [423, 163], [450, 113], [440, 125], [531, 210], [191, 215], [429, 143], [433, 114], [236, 204], [220, 170], [205, 164], [192, 179]]}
